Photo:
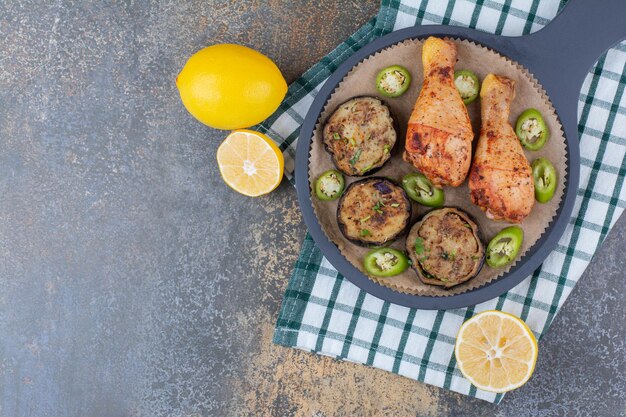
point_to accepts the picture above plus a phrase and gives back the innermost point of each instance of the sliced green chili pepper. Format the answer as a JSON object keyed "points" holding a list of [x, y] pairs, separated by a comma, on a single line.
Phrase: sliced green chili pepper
{"points": [[393, 81], [545, 178], [329, 185], [531, 130], [503, 248], [420, 189], [385, 262], [467, 84]]}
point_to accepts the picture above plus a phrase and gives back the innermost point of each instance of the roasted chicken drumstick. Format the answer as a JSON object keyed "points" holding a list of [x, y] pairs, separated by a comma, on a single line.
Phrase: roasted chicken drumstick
{"points": [[439, 136], [501, 181]]}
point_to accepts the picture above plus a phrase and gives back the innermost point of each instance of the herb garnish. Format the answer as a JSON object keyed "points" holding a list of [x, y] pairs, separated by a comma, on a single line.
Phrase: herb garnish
{"points": [[356, 157], [419, 245], [365, 232], [448, 256], [364, 219], [378, 207], [336, 136]]}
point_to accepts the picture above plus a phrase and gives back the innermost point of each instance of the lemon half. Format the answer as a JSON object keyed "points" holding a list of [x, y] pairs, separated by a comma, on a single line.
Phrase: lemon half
{"points": [[250, 163], [496, 351]]}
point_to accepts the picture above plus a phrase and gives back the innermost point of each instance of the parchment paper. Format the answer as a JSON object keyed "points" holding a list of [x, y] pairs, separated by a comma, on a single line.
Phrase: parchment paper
{"points": [[361, 82]]}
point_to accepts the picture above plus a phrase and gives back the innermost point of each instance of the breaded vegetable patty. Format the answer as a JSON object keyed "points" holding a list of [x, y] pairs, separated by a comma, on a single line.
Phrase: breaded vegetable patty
{"points": [[373, 211], [445, 248], [360, 135]]}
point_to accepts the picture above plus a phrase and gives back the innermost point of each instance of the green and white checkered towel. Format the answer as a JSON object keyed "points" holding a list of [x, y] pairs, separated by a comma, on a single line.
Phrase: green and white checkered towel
{"points": [[324, 313]]}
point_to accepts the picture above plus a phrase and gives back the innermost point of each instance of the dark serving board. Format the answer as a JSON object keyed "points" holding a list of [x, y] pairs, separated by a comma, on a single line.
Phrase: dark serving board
{"points": [[559, 56]]}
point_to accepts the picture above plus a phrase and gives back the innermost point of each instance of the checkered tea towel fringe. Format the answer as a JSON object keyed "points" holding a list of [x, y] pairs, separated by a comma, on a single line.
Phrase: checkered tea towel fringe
{"points": [[324, 313]]}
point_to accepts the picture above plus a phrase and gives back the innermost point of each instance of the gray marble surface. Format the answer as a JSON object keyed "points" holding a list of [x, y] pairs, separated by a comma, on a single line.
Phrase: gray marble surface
{"points": [[134, 282]]}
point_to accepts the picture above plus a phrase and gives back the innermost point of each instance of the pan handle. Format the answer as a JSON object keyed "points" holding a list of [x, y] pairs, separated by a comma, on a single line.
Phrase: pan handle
{"points": [[567, 47]]}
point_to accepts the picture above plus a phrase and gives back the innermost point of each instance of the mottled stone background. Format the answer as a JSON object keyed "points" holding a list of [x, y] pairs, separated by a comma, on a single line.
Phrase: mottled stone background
{"points": [[133, 282]]}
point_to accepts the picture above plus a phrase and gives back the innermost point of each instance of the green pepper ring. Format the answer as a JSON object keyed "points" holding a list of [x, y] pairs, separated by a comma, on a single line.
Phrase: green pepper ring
{"points": [[510, 239], [475, 91], [545, 179], [370, 265], [429, 195], [318, 185], [545, 133], [403, 87]]}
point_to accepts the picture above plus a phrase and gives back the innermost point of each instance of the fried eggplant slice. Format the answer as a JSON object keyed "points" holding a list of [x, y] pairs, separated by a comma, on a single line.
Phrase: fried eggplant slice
{"points": [[373, 212], [445, 248], [360, 135]]}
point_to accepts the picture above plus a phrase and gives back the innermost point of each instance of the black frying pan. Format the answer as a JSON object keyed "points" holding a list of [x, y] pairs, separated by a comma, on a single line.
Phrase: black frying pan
{"points": [[559, 57]]}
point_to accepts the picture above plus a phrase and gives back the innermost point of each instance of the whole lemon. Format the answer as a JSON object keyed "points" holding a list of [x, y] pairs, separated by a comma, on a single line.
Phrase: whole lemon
{"points": [[230, 86]]}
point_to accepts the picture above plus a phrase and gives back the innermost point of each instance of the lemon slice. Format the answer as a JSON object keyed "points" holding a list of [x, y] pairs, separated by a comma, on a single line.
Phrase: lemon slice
{"points": [[496, 351], [250, 162]]}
